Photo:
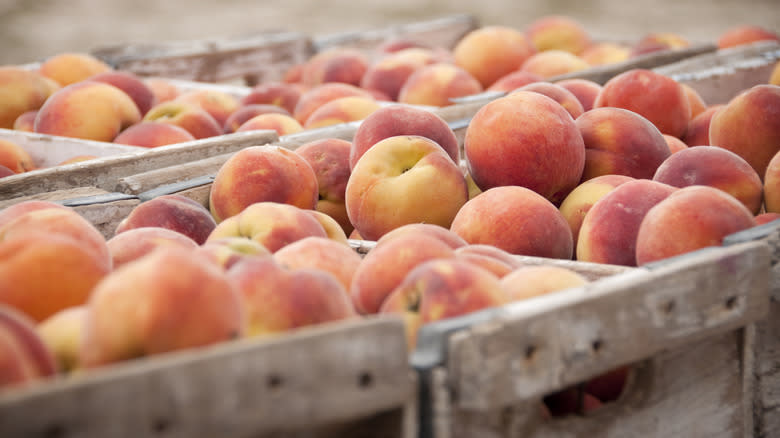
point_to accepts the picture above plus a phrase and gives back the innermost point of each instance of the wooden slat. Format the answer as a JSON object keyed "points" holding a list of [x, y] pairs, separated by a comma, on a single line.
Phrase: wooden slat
{"points": [[333, 374]]}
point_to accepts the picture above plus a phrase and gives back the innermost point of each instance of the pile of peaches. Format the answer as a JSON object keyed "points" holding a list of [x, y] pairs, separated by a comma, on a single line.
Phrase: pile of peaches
{"points": [[634, 171]]}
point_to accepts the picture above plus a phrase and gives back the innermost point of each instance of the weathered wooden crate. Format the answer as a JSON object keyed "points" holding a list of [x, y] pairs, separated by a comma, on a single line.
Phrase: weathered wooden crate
{"points": [[348, 378], [686, 325]]}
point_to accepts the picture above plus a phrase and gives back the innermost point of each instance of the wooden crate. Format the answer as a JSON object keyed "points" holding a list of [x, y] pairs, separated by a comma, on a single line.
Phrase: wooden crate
{"points": [[687, 325], [332, 380]]}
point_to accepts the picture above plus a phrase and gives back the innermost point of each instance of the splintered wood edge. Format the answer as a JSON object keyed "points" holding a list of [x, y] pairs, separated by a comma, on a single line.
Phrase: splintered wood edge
{"points": [[546, 343], [334, 372]]}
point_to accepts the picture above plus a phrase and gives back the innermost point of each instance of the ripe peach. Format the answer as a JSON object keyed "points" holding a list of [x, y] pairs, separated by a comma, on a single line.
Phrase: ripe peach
{"points": [[71, 67], [771, 185], [175, 212], [218, 104], [62, 334], [745, 34], [564, 97], [26, 121], [130, 83], [246, 112], [698, 133], [715, 167], [692, 218], [605, 53], [341, 110], [584, 90], [514, 80], [13, 211], [152, 134], [317, 96], [20, 91], [552, 63], [15, 157], [558, 32], [227, 251], [135, 243], [608, 232], [538, 227], [281, 94], [444, 234], [185, 115], [435, 84], [674, 143], [77, 159], [774, 77], [532, 281], [695, 100], [748, 125], [495, 266], [337, 64], [657, 41], [656, 97], [321, 253], [765, 218], [262, 173], [163, 89], [525, 139], [4, 171], [389, 73], [332, 228], [281, 123], [24, 357], [490, 52]]}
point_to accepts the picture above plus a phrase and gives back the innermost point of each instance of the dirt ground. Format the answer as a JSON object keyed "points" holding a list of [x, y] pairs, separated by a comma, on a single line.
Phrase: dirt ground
{"points": [[33, 29]]}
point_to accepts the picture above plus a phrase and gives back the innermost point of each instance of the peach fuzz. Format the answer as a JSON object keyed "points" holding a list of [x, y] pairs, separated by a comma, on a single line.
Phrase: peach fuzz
{"points": [[741, 34], [774, 77], [4, 171], [281, 123], [62, 334], [321, 253], [87, 110], [605, 53], [538, 227], [772, 185], [189, 116], [386, 266], [150, 134], [163, 89], [698, 133], [748, 125], [246, 112], [656, 97], [26, 121], [564, 97], [388, 74], [71, 67], [620, 142], [444, 234], [393, 120], [262, 174], [584, 90], [174, 212], [333, 230], [219, 104], [401, 180], [192, 306], [490, 251], [319, 95], [692, 218], [24, 357], [581, 200], [609, 230], [341, 110], [495, 266], [20, 91], [765, 218], [336, 64], [15, 157], [130, 83], [441, 289], [525, 139], [715, 167], [278, 300], [558, 32], [135, 243], [281, 94], [553, 63], [674, 143], [532, 281], [271, 224], [435, 84], [491, 52], [514, 80], [697, 103], [227, 251], [658, 41], [77, 159], [13, 211]]}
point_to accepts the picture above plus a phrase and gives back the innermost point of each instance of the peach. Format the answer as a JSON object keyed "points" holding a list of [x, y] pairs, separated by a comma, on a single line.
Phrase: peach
{"points": [[26, 121], [13, 211], [175, 212], [318, 95], [621, 142], [740, 34], [388, 74], [401, 180], [674, 143], [435, 84], [490, 52], [658, 41], [278, 300], [337, 64], [698, 133], [332, 228], [77, 159], [692, 218], [4, 171], [748, 125], [609, 230], [62, 334], [765, 218], [272, 224], [440, 289], [246, 112], [771, 185], [564, 97], [695, 100], [341, 110], [24, 357], [281, 94], [71, 67], [577, 204], [489, 251], [150, 134], [329, 158], [525, 139], [262, 174], [444, 234], [130, 83], [558, 32], [552, 63], [514, 80], [163, 89], [774, 76], [715, 167], [281, 123], [584, 90], [135, 243], [321, 253], [294, 74], [227, 251], [20, 91], [15, 157], [193, 305], [605, 53], [654, 96], [532, 281], [189, 116], [393, 120], [538, 227], [219, 104], [386, 266], [87, 110]]}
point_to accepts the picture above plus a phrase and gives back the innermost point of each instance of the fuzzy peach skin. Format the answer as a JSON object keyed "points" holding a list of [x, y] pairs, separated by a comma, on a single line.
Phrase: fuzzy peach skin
{"points": [[341, 110], [150, 134], [537, 227], [26, 121], [715, 167], [163, 89], [62, 333], [658, 98], [15, 157], [558, 32], [132, 84], [553, 63], [21, 91], [771, 185], [262, 174], [494, 265], [605, 53], [24, 357], [189, 116], [491, 52], [315, 97], [271, 224], [695, 100], [620, 142], [741, 34], [436, 84], [444, 234], [609, 229], [765, 218], [525, 139], [583, 89], [674, 143], [532, 281], [514, 80], [698, 133], [146, 308], [218, 104], [385, 267], [246, 112], [70, 67], [564, 97], [87, 110], [401, 180], [278, 300], [15, 210], [332, 228], [774, 77], [281, 123], [321, 253], [227, 251], [749, 125], [441, 289], [337, 64], [692, 218], [393, 120], [135, 243], [388, 74], [280, 94]]}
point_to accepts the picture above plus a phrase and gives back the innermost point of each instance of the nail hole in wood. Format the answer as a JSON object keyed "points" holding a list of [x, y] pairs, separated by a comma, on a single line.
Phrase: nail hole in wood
{"points": [[365, 380], [731, 302], [161, 425], [530, 351], [273, 381], [668, 307], [597, 345], [55, 431]]}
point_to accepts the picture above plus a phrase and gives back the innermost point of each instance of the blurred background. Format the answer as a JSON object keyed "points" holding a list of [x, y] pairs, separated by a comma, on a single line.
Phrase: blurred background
{"points": [[31, 30]]}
